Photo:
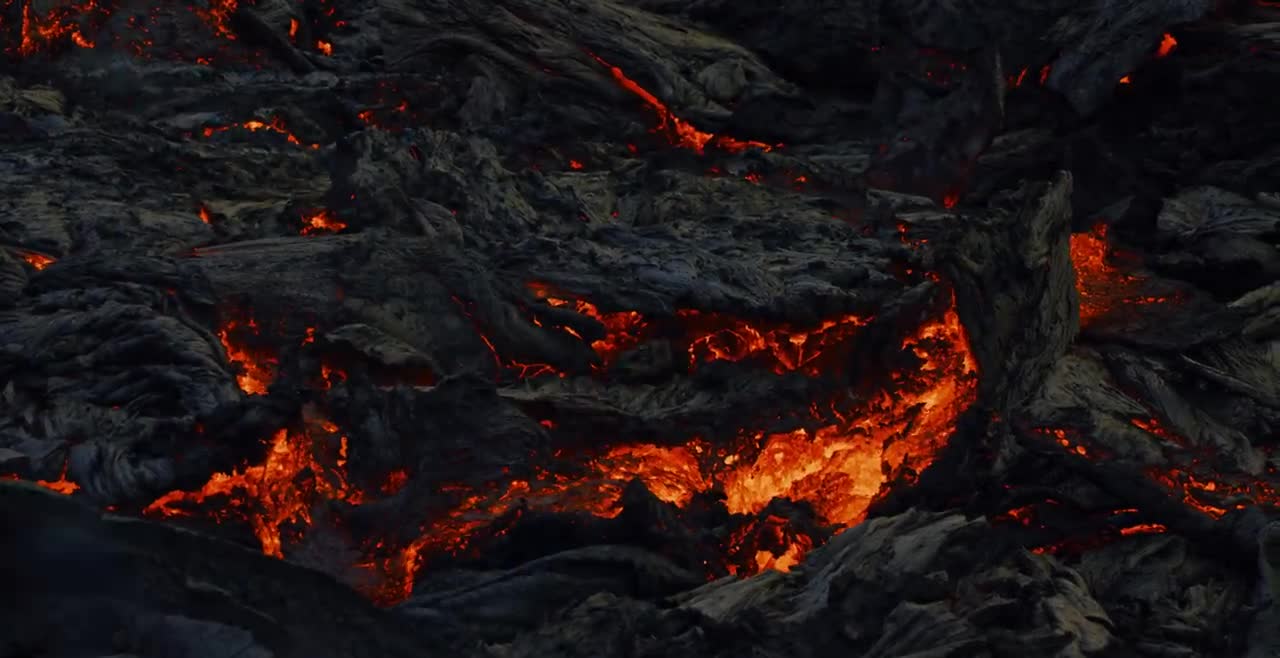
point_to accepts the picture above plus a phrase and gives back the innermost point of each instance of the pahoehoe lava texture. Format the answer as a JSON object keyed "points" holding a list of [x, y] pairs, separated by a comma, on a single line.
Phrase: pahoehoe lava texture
{"points": [[639, 328]]}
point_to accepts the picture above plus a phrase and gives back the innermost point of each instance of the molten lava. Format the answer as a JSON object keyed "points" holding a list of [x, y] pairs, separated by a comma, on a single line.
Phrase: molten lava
{"points": [[841, 468], [296, 475], [276, 125], [37, 260], [218, 17], [838, 469], [58, 24], [255, 372], [771, 544], [1102, 286], [718, 337], [321, 221], [680, 132]]}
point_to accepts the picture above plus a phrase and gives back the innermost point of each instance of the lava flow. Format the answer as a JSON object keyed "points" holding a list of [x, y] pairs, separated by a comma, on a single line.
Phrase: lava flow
{"points": [[255, 371], [296, 476], [838, 469], [1102, 286], [680, 132], [61, 485]]}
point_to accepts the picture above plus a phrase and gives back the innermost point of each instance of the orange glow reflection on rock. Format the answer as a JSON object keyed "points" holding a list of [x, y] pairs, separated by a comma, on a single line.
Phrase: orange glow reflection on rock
{"points": [[282, 490], [680, 132]]}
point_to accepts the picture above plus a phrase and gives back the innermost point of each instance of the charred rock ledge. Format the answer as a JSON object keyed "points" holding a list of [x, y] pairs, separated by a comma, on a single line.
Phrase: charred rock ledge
{"points": [[639, 328]]}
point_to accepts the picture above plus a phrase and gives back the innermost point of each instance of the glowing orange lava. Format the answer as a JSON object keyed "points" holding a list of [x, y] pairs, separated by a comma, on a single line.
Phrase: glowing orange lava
{"points": [[218, 17], [680, 132], [58, 24], [37, 260], [1143, 529], [276, 125], [256, 373], [282, 490], [1103, 287], [838, 469], [718, 337], [715, 337], [841, 468], [769, 543], [623, 329], [321, 221], [1167, 44]]}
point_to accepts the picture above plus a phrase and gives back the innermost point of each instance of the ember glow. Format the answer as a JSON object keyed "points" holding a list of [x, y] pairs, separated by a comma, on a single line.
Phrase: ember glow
{"points": [[680, 132], [1167, 44]]}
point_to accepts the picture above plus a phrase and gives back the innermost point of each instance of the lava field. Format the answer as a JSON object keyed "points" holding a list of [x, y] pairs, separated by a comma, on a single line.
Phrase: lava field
{"points": [[639, 328]]}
